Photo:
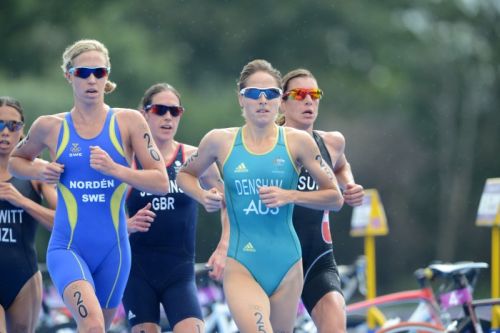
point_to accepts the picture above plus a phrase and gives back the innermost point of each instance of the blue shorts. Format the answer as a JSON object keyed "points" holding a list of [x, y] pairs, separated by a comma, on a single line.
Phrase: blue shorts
{"points": [[106, 271]]}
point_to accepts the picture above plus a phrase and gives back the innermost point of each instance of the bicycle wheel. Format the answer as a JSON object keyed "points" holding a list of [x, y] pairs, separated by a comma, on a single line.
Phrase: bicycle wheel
{"points": [[409, 327]]}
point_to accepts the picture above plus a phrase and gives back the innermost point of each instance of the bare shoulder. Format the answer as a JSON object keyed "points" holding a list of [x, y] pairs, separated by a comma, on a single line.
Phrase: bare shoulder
{"points": [[219, 134], [333, 139], [294, 135], [300, 143], [128, 114], [47, 123], [131, 121], [188, 149], [51, 119]]}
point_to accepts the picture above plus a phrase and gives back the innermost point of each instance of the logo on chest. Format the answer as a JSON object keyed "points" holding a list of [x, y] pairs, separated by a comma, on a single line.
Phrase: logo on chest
{"points": [[75, 150]]}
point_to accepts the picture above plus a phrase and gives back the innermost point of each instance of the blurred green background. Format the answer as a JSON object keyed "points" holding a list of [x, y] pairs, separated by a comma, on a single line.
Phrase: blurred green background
{"points": [[412, 85]]}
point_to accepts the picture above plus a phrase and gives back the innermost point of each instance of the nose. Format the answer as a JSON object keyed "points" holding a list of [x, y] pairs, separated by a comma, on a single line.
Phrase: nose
{"points": [[92, 78], [262, 98], [308, 99]]}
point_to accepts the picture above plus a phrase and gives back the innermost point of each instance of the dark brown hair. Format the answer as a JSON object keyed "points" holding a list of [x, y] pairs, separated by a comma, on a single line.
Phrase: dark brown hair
{"points": [[155, 89], [285, 82], [13, 103]]}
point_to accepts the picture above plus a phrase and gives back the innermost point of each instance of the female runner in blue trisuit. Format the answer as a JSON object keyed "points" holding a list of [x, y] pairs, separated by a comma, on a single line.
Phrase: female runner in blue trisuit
{"points": [[91, 146], [260, 163]]}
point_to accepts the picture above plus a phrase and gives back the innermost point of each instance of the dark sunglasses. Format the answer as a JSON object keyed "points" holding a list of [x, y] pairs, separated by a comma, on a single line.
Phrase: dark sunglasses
{"points": [[12, 125], [254, 93], [161, 109], [84, 72], [300, 94]]}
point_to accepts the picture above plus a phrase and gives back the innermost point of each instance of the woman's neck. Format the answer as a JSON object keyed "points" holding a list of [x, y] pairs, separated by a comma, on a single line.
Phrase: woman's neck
{"points": [[256, 133], [307, 128], [89, 113], [4, 174], [260, 139], [167, 148]]}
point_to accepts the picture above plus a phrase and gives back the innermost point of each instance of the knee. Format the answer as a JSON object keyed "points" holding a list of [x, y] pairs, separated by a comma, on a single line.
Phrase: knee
{"points": [[19, 327], [91, 325], [329, 314], [92, 329]]}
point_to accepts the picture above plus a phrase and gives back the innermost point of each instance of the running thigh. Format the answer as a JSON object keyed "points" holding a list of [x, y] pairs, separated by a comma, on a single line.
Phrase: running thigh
{"points": [[22, 315], [247, 301], [329, 313], [285, 300], [2, 320], [80, 299], [146, 328]]}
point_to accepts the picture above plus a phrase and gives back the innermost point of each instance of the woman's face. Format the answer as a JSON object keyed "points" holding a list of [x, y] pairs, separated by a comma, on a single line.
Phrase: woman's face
{"points": [[9, 139], [300, 113], [91, 88], [262, 110], [163, 127]]}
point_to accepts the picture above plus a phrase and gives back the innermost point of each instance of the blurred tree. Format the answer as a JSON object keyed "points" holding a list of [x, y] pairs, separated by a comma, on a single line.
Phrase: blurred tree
{"points": [[412, 85]]}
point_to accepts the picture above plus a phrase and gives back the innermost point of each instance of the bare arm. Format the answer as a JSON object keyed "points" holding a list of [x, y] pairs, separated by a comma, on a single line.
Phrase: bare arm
{"points": [[353, 193], [217, 260], [305, 151], [153, 177], [43, 215], [23, 163], [211, 179], [141, 221], [49, 193], [194, 167]]}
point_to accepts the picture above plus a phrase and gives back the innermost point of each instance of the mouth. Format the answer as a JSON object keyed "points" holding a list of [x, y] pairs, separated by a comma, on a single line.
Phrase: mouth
{"points": [[262, 111], [308, 112], [4, 143], [166, 127], [91, 91]]}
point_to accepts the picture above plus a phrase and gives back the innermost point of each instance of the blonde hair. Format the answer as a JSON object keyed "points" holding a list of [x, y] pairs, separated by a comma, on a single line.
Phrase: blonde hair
{"points": [[258, 65], [82, 46]]}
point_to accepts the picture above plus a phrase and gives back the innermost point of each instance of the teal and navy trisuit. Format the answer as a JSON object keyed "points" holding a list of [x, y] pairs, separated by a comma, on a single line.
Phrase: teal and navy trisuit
{"points": [[89, 240], [262, 239], [17, 244], [313, 228], [163, 257]]}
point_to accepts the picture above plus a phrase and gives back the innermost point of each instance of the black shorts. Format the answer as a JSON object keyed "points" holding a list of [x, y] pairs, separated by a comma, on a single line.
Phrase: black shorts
{"points": [[17, 269], [161, 279], [321, 278]]}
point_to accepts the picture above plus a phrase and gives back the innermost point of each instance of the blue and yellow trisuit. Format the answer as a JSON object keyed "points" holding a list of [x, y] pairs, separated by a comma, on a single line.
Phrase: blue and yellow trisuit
{"points": [[262, 239], [89, 240]]}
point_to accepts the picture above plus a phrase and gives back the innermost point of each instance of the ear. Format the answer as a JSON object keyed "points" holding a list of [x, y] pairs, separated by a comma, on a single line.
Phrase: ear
{"points": [[240, 101], [68, 77]]}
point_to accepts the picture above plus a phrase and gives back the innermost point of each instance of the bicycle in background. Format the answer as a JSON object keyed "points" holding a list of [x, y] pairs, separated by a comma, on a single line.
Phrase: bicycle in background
{"points": [[54, 316], [214, 307], [444, 303]]}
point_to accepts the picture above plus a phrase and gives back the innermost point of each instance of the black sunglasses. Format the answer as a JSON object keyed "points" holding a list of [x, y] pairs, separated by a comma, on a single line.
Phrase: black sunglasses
{"points": [[12, 125], [84, 72], [161, 109]]}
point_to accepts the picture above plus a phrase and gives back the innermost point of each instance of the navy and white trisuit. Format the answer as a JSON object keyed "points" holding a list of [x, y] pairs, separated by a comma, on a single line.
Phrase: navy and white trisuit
{"points": [[163, 257], [18, 257], [89, 240], [313, 229]]}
